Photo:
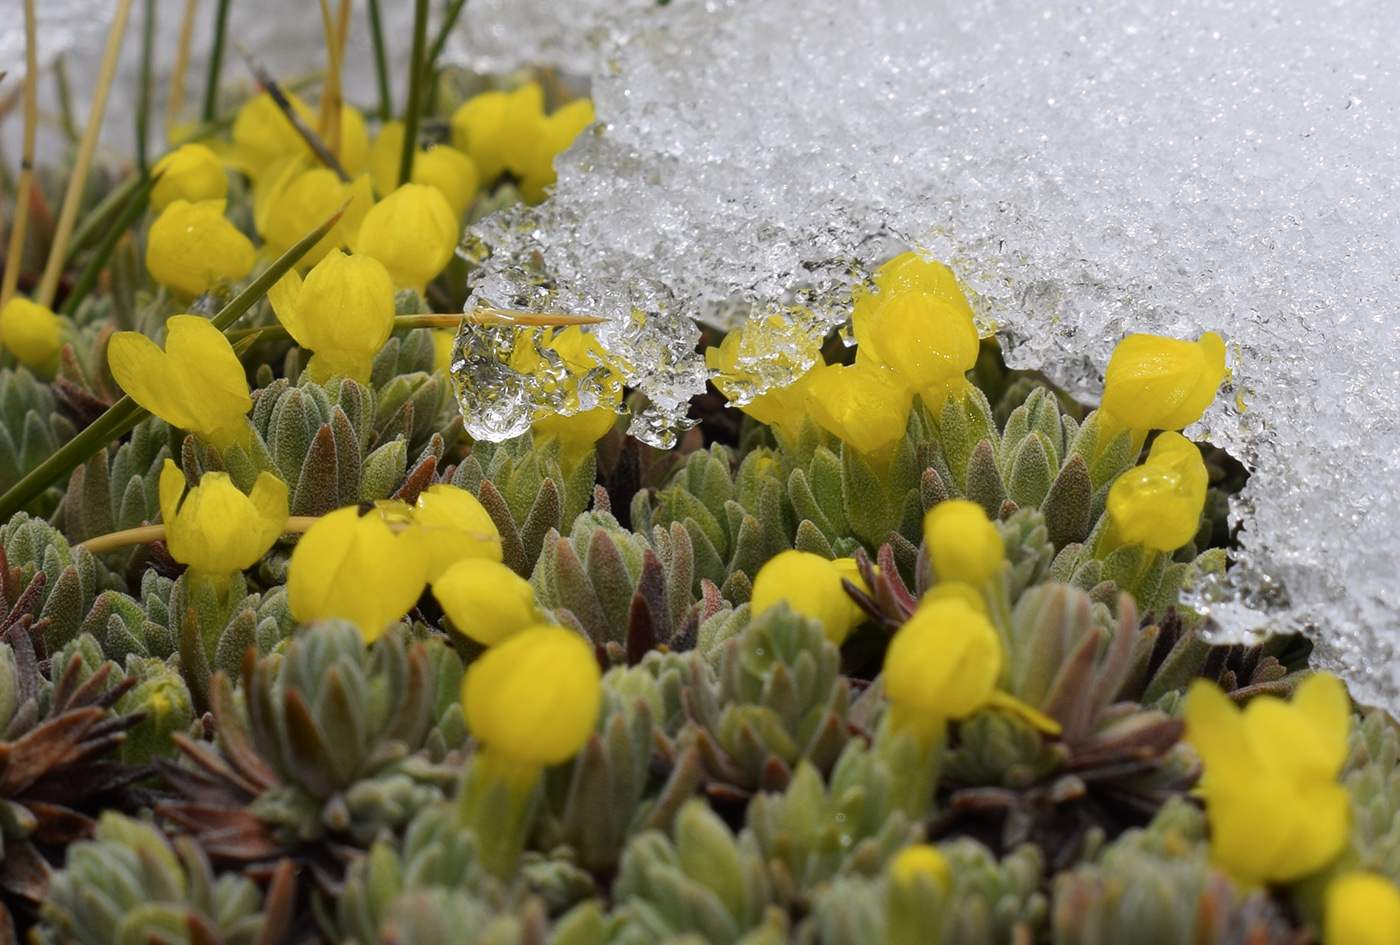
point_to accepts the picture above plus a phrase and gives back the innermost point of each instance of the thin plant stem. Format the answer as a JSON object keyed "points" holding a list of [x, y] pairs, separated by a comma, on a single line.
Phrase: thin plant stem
{"points": [[205, 129], [176, 102], [126, 413], [15, 250], [99, 216], [88, 278], [78, 181], [143, 91], [330, 92], [415, 91], [449, 20], [216, 63], [295, 525], [65, 101], [308, 134], [381, 62]]}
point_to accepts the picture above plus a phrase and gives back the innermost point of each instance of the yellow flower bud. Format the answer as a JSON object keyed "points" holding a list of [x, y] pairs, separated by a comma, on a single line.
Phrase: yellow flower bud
{"points": [[454, 526], [293, 200], [1362, 909], [216, 529], [864, 405], [1156, 383], [907, 272], [556, 133], [942, 664], [196, 383], [589, 376], [343, 311], [929, 342], [534, 698], [921, 860], [447, 169], [33, 334], [964, 545], [262, 134], [477, 132], [486, 600], [1159, 503], [191, 247], [522, 125], [1275, 809], [192, 172], [413, 232], [811, 586], [353, 566], [784, 408]]}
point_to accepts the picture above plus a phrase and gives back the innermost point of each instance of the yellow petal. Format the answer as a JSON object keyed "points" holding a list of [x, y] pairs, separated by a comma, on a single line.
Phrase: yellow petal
{"points": [[172, 490], [486, 600]]}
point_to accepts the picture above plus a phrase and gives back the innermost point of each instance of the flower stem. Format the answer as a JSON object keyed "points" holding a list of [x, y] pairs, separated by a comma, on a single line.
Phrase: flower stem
{"points": [[415, 91], [216, 62], [143, 89], [26, 162], [176, 100], [381, 63]]}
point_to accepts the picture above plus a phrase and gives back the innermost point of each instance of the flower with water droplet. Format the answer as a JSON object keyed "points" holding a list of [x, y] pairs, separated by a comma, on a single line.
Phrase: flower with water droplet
{"points": [[486, 600], [191, 172], [1275, 809], [783, 408], [864, 405], [343, 311], [355, 567], [1159, 503], [963, 543], [573, 368], [215, 528], [192, 247], [413, 232], [197, 383], [811, 585], [1157, 383], [930, 342], [455, 526], [34, 334]]}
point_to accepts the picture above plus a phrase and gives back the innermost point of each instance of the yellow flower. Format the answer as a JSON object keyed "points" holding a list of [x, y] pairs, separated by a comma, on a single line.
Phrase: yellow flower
{"points": [[486, 600], [864, 405], [445, 168], [293, 199], [353, 566], [454, 526], [1156, 383], [522, 125], [1159, 503], [34, 334], [191, 172], [534, 698], [262, 134], [964, 545], [1275, 809], [942, 664], [1362, 909], [907, 272], [413, 232], [812, 587], [343, 311], [443, 341], [783, 408], [191, 247], [218, 530], [921, 860], [555, 134], [927, 340], [585, 375], [476, 131], [196, 383]]}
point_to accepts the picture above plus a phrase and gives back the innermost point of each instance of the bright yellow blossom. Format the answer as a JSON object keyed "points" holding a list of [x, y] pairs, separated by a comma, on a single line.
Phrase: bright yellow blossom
{"points": [[295, 198], [443, 167], [1275, 809], [343, 311], [191, 172], [811, 586], [262, 133], [921, 860], [907, 272], [1156, 383], [216, 529], [864, 405], [486, 600], [1159, 503], [588, 376], [1362, 909], [783, 408], [443, 341], [555, 134], [196, 383], [354, 567], [413, 232], [522, 124], [476, 131], [191, 247], [454, 525], [964, 545], [33, 334], [927, 340], [534, 698], [942, 664]]}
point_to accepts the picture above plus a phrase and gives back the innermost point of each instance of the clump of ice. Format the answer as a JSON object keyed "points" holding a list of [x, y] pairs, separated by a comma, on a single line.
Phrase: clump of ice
{"points": [[1088, 170]]}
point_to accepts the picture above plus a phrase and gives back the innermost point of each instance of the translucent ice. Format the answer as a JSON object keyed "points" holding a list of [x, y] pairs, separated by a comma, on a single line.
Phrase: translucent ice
{"points": [[1088, 170]]}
